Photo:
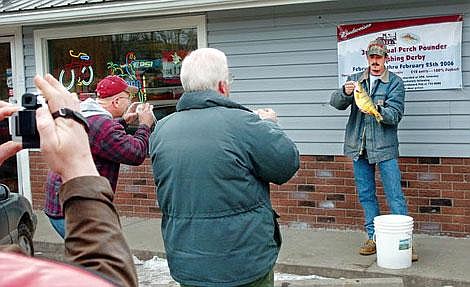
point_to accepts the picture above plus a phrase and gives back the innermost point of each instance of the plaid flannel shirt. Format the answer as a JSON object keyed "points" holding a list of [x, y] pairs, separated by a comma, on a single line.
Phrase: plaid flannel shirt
{"points": [[110, 146]]}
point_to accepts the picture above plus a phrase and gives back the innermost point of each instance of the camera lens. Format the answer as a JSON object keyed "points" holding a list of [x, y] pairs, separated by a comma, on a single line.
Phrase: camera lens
{"points": [[28, 100]]}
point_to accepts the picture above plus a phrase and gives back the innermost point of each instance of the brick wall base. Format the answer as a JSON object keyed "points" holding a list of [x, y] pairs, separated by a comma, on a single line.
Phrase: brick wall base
{"points": [[322, 194]]}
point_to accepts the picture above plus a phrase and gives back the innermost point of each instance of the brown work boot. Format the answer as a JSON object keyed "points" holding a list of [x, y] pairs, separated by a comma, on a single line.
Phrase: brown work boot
{"points": [[368, 248], [414, 255]]}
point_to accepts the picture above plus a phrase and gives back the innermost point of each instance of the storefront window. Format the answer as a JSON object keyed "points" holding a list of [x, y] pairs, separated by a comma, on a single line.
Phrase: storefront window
{"points": [[150, 61]]}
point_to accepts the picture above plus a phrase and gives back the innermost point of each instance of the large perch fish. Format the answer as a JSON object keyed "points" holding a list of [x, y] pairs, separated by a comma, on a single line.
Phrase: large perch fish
{"points": [[365, 103]]}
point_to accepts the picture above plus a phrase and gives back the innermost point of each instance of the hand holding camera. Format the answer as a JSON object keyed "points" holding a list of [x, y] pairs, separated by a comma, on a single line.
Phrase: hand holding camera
{"points": [[141, 113], [22, 124], [145, 114], [64, 141], [130, 116]]}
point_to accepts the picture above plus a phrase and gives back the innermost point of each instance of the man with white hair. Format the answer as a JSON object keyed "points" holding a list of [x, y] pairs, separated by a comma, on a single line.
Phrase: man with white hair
{"points": [[213, 160]]}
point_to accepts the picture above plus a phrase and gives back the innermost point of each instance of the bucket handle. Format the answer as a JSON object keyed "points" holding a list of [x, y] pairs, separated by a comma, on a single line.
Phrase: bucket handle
{"points": [[374, 236]]}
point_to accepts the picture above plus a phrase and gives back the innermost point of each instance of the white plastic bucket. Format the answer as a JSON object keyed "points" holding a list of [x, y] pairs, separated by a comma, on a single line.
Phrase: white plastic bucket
{"points": [[393, 238]]}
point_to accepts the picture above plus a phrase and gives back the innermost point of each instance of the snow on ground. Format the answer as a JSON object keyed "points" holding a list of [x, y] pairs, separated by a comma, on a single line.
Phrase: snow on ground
{"points": [[155, 272]]}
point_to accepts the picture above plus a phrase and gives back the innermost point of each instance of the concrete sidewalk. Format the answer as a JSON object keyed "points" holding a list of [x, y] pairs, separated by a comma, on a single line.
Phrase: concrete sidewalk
{"points": [[443, 261]]}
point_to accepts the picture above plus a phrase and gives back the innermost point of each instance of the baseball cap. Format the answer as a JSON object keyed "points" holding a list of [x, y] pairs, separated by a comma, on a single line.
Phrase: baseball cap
{"points": [[113, 85], [377, 47]]}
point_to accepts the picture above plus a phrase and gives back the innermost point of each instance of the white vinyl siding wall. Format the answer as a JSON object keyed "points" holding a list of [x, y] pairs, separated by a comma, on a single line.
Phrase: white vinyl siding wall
{"points": [[286, 58]]}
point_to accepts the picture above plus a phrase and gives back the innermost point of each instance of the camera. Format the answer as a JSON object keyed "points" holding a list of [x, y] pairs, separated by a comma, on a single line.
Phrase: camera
{"points": [[22, 124]]}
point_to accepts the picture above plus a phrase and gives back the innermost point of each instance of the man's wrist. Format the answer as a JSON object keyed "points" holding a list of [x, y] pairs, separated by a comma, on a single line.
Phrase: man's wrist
{"points": [[149, 126], [78, 167], [71, 114]]}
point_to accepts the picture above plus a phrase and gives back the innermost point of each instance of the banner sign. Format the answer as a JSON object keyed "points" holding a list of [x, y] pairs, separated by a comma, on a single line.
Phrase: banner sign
{"points": [[426, 53]]}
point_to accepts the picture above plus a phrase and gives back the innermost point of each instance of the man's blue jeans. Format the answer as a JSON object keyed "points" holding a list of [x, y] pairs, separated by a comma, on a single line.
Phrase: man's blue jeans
{"points": [[364, 175], [59, 225]]}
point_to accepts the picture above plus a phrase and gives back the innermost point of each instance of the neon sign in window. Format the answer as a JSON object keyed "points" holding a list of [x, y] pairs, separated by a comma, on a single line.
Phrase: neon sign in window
{"points": [[150, 61]]}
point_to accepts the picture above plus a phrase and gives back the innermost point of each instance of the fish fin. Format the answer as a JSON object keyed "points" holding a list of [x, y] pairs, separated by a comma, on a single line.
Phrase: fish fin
{"points": [[379, 117]]}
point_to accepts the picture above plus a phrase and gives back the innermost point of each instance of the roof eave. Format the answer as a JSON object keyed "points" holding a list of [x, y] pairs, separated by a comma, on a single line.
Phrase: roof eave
{"points": [[111, 10]]}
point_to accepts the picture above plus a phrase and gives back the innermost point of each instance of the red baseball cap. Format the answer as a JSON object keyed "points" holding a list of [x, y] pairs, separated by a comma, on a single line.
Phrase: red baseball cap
{"points": [[113, 85]]}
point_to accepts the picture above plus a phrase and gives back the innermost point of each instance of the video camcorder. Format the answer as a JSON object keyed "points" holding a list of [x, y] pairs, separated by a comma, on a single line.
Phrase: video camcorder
{"points": [[22, 124]]}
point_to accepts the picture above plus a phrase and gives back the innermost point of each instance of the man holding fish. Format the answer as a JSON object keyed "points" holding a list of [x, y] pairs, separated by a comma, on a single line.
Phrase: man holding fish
{"points": [[371, 135]]}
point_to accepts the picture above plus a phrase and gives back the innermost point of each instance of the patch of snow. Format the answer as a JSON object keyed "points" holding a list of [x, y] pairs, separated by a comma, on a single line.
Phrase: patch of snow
{"points": [[155, 272], [292, 277]]}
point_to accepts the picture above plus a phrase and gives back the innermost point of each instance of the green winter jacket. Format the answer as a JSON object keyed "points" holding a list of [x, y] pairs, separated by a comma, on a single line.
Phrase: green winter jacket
{"points": [[212, 162]]}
